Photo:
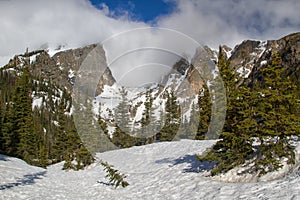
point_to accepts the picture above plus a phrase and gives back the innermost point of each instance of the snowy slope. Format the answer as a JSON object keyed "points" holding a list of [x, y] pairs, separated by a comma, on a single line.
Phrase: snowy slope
{"points": [[156, 171]]}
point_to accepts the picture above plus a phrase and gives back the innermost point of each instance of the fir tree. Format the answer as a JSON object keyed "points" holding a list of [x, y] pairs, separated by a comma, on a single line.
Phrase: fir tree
{"points": [[61, 138], [10, 141], [22, 112], [121, 136], [204, 104], [148, 126], [266, 113], [235, 147], [38, 129], [115, 177], [102, 122], [87, 125], [122, 115], [277, 114], [172, 120], [122, 139]]}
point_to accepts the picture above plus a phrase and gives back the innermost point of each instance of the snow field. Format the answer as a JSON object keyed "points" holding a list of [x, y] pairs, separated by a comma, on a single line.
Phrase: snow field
{"points": [[166, 170]]}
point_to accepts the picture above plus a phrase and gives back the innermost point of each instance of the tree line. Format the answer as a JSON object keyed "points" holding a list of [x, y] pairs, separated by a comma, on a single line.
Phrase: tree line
{"points": [[43, 134]]}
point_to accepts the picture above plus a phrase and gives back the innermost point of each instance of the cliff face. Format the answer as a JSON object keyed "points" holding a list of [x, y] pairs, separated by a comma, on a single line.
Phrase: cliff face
{"points": [[289, 50], [62, 67], [250, 56]]}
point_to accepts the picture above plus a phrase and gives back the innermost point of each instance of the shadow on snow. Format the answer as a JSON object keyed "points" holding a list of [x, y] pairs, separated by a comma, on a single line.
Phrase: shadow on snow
{"points": [[195, 166], [105, 183], [27, 179], [3, 157]]}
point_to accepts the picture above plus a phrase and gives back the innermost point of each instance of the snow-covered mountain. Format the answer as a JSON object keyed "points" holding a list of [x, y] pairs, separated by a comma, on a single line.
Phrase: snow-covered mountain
{"points": [[166, 170], [61, 67], [184, 80]]}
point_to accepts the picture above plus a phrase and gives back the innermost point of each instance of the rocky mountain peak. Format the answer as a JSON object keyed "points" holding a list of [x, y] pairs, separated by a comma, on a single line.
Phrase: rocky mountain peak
{"points": [[63, 66]]}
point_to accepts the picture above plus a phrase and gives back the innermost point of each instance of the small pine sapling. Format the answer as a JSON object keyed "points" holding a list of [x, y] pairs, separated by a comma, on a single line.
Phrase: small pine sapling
{"points": [[115, 177]]}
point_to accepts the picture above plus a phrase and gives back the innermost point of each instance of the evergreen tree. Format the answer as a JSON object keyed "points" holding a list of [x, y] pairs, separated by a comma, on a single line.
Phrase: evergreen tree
{"points": [[33, 134], [10, 141], [277, 114], [234, 148], [122, 139], [266, 113], [121, 136], [122, 115], [148, 125], [102, 122], [204, 104], [61, 137], [38, 129], [162, 117], [86, 124], [42, 157], [115, 177], [22, 114], [172, 121]]}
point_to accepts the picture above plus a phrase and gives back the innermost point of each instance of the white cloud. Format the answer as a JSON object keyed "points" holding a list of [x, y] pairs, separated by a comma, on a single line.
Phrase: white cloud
{"points": [[33, 23], [228, 22], [75, 23]]}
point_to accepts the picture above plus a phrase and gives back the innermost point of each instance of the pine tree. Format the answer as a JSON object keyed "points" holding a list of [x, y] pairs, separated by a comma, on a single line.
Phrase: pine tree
{"points": [[115, 177], [10, 141], [1, 124], [122, 139], [61, 138], [121, 136], [204, 104], [83, 157], [148, 126], [88, 126], [172, 120], [266, 113], [22, 113], [38, 129], [42, 156], [34, 135], [278, 120], [102, 122], [235, 146], [122, 115], [68, 145]]}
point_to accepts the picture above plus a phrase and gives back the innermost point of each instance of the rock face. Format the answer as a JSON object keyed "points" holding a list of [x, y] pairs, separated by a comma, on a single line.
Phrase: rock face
{"points": [[62, 68], [250, 56], [289, 50], [245, 54]]}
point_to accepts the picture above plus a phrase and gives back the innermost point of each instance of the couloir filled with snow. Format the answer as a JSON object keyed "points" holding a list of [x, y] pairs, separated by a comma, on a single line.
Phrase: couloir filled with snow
{"points": [[166, 170]]}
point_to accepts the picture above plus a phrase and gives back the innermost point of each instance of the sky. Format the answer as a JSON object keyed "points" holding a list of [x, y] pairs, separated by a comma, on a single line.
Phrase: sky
{"points": [[142, 10], [74, 23]]}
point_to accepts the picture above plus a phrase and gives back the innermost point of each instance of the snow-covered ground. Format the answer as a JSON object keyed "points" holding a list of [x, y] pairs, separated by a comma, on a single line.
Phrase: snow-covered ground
{"points": [[157, 171]]}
